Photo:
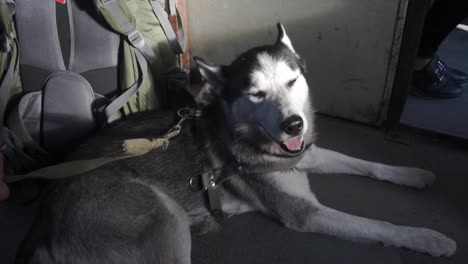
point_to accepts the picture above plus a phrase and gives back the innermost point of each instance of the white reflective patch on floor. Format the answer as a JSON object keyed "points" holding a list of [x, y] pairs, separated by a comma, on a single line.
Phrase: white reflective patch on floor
{"points": [[463, 27]]}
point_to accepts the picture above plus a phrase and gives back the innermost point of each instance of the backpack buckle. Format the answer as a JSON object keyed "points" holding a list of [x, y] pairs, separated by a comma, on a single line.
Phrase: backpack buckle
{"points": [[135, 38], [106, 1]]}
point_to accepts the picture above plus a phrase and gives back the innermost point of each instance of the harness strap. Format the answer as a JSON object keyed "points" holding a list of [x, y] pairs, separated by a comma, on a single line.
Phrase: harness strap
{"points": [[177, 43], [212, 178], [214, 201], [124, 26], [271, 167]]}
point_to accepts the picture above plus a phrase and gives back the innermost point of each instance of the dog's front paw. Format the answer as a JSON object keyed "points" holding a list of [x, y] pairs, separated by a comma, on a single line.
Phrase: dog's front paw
{"points": [[413, 177], [418, 178], [428, 241]]}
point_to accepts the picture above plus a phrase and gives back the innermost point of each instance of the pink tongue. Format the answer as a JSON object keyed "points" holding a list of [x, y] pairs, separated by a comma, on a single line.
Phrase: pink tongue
{"points": [[294, 143]]}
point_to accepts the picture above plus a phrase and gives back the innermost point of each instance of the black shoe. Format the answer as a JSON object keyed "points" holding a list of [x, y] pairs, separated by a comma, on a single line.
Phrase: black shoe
{"points": [[457, 75], [435, 81]]}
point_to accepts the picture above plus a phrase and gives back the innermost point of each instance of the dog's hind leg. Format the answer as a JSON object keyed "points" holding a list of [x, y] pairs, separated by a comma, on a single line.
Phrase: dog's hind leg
{"points": [[320, 160], [168, 238], [121, 221]]}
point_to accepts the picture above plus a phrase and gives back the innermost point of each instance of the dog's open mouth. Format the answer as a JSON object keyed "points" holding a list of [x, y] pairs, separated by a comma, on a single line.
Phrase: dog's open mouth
{"points": [[293, 145], [290, 147]]}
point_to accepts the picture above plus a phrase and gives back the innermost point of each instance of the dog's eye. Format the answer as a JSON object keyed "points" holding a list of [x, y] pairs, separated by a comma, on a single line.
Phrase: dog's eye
{"points": [[291, 82], [258, 95]]}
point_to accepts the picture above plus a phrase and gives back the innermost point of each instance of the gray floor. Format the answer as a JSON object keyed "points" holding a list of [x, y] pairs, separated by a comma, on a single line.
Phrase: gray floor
{"points": [[253, 238], [446, 116]]}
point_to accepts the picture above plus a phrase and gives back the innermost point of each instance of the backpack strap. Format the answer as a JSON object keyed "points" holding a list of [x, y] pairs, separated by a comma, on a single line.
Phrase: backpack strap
{"points": [[120, 101], [117, 15], [9, 46], [119, 18], [177, 43]]}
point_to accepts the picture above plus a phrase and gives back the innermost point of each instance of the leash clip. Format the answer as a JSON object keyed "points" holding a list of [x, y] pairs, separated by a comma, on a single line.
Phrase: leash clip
{"points": [[184, 114], [189, 113]]}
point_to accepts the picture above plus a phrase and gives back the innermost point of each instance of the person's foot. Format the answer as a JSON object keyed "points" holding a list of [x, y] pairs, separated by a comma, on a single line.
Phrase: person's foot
{"points": [[459, 76], [437, 81]]}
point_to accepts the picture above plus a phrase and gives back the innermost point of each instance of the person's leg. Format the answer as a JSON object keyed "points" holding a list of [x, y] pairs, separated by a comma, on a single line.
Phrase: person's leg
{"points": [[441, 19], [432, 76]]}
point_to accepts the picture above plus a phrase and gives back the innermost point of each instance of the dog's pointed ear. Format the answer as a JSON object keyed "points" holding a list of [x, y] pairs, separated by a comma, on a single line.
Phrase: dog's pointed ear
{"points": [[283, 37], [212, 73]]}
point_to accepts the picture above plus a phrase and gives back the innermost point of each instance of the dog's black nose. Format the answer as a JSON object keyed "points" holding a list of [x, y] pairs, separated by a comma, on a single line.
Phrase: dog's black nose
{"points": [[293, 125]]}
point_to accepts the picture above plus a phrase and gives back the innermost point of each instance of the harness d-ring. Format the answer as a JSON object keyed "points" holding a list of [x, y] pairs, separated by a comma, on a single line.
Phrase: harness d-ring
{"points": [[192, 183]]}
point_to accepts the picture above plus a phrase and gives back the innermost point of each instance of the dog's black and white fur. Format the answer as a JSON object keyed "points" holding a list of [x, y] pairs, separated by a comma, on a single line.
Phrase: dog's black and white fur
{"points": [[140, 210]]}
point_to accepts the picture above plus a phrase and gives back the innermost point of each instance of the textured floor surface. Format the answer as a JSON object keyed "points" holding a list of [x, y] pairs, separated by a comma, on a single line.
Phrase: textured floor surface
{"points": [[446, 116], [253, 238]]}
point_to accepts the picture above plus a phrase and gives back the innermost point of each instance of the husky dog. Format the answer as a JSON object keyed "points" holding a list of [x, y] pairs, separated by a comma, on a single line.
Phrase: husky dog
{"points": [[256, 114]]}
